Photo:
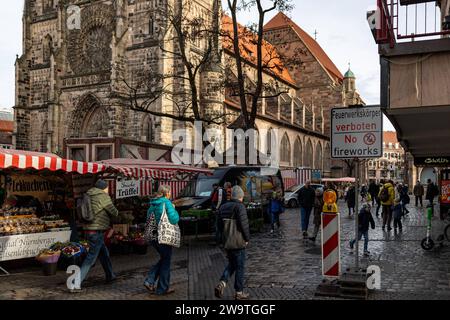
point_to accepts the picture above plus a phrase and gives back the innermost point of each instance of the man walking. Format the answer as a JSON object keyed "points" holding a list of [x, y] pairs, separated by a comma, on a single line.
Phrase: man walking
{"points": [[102, 209], [418, 193], [374, 189], [235, 210], [306, 198], [387, 196], [432, 191]]}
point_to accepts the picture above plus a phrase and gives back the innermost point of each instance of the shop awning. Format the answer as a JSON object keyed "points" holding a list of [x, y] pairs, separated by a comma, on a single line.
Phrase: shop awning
{"points": [[18, 159], [139, 168], [423, 131], [345, 179]]}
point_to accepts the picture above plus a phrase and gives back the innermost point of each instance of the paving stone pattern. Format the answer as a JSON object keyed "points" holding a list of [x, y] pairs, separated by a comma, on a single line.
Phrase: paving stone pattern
{"points": [[279, 266]]}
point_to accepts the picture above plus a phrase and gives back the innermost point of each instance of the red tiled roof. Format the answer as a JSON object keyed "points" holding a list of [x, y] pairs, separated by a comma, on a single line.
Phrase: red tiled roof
{"points": [[390, 136], [271, 57], [6, 126], [282, 21]]}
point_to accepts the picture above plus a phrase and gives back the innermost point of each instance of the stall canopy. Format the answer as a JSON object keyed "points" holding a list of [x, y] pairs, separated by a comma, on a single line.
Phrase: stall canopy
{"points": [[139, 168], [346, 179], [18, 159]]}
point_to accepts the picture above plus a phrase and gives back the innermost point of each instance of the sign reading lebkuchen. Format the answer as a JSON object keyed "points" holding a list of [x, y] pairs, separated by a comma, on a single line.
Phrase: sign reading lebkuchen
{"points": [[29, 185], [356, 132], [126, 188]]}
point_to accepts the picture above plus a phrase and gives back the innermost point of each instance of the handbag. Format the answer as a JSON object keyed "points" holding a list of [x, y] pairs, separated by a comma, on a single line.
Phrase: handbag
{"points": [[232, 237], [168, 234], [151, 229]]}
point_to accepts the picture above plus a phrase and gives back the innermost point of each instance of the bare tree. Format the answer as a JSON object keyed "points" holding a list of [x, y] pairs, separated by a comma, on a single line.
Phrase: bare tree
{"points": [[267, 60], [190, 43]]}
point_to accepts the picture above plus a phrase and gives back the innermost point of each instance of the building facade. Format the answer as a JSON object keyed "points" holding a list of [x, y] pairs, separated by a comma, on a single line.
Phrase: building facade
{"points": [[71, 83], [396, 164]]}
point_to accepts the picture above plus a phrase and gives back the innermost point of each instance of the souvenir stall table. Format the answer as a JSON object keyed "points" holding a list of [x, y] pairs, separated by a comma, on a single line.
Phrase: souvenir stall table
{"points": [[37, 196]]}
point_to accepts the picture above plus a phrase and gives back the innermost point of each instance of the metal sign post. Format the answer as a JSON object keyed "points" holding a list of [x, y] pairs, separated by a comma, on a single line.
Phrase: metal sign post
{"points": [[357, 215]]}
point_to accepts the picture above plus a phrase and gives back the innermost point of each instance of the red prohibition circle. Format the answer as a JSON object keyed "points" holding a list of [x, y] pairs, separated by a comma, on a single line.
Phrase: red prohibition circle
{"points": [[369, 139]]}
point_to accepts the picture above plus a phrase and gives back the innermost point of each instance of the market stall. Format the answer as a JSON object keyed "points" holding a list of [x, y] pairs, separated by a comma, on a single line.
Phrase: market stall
{"points": [[132, 183], [37, 194]]}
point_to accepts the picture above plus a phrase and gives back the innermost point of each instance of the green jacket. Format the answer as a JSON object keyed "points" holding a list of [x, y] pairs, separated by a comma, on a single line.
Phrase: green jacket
{"points": [[102, 208], [391, 190]]}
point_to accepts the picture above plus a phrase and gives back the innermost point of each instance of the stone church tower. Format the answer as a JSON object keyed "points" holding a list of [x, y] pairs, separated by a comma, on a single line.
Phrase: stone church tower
{"points": [[79, 59]]}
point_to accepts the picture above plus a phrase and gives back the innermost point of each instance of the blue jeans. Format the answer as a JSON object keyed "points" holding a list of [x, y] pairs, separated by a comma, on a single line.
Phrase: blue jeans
{"points": [[366, 239], [274, 219], [236, 264], [160, 270], [97, 249], [306, 213]]}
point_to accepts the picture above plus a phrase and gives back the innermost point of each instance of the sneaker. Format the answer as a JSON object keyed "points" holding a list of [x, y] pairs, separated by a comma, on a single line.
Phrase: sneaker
{"points": [[272, 231], [219, 289], [366, 253], [313, 239], [389, 228], [305, 234], [241, 296]]}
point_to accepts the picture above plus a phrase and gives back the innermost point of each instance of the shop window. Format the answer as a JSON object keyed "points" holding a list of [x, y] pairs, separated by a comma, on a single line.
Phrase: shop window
{"points": [[103, 153], [78, 154]]}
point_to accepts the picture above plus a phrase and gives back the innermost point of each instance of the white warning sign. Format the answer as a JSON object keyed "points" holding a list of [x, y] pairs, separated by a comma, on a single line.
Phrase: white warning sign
{"points": [[356, 132]]}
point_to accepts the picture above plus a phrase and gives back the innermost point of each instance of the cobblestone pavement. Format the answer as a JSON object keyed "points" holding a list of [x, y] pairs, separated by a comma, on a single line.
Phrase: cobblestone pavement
{"points": [[279, 266]]}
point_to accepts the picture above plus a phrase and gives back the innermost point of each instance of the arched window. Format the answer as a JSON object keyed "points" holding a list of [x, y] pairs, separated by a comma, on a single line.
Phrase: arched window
{"points": [[309, 155], [285, 152], [327, 158], [269, 141], [298, 153], [318, 157], [97, 124], [47, 48], [147, 130], [151, 26]]}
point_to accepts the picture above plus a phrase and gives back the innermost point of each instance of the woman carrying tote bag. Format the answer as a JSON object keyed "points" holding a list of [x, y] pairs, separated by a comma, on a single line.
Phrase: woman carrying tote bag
{"points": [[163, 217]]}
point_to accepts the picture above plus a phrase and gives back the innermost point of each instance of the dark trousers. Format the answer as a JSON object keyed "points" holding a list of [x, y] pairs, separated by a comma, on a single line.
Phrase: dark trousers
{"points": [[378, 206], [398, 223], [236, 264], [305, 215], [417, 200], [274, 219], [97, 249], [161, 270], [387, 215]]}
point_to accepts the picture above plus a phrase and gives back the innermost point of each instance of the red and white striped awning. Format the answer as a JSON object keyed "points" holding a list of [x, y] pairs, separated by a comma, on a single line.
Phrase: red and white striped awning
{"points": [[138, 168], [18, 159]]}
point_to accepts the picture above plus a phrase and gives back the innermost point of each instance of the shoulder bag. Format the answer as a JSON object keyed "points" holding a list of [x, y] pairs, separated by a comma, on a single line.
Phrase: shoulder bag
{"points": [[232, 237], [168, 233]]}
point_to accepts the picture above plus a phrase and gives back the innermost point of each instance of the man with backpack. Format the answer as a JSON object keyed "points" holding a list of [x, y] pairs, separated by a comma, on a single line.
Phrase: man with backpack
{"points": [[96, 222], [387, 196]]}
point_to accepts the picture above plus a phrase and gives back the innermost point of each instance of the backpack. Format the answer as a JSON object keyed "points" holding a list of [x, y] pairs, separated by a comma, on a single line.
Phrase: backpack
{"points": [[84, 209], [384, 195], [435, 190]]}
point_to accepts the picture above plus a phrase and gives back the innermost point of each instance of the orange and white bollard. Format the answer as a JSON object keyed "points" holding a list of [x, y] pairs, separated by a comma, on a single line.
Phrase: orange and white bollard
{"points": [[330, 236]]}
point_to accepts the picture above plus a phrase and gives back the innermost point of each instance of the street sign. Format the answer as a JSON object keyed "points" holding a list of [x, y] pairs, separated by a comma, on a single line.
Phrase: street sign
{"points": [[356, 132]]}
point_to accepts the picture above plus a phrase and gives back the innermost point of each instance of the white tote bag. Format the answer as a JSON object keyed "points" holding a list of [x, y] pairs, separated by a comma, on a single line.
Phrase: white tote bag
{"points": [[168, 233]]}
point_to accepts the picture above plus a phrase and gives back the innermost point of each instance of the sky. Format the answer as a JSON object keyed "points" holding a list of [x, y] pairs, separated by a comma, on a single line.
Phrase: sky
{"points": [[342, 28]]}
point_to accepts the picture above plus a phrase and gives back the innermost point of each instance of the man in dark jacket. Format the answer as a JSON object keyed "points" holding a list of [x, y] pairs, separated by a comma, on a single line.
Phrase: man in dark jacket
{"points": [[432, 191], [234, 209], [306, 197], [418, 193], [102, 209], [373, 191]]}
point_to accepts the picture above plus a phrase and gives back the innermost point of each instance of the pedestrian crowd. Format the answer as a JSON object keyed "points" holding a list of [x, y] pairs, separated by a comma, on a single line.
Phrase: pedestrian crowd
{"points": [[232, 230]]}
